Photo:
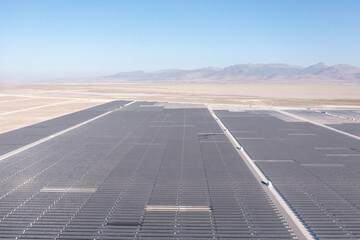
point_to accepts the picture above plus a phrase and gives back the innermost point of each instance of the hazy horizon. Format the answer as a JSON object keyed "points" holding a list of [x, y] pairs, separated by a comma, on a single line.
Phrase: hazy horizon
{"points": [[237, 73], [2, 78]]}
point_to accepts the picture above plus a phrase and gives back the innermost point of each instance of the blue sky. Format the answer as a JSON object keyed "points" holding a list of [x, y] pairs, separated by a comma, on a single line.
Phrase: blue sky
{"points": [[73, 38]]}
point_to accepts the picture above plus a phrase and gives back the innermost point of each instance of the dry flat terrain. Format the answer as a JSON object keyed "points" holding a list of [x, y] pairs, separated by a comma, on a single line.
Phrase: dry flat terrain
{"points": [[26, 104]]}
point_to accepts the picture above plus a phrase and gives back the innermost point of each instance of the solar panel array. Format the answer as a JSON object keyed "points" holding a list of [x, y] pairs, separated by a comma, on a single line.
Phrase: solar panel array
{"points": [[352, 128], [142, 172], [18, 138], [316, 170], [343, 120]]}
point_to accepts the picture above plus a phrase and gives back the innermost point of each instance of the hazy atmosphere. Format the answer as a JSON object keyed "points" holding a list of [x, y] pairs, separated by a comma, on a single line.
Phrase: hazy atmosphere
{"points": [[57, 39]]}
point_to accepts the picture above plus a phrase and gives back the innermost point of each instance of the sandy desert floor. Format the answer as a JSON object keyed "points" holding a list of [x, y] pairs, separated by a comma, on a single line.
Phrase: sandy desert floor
{"points": [[25, 104]]}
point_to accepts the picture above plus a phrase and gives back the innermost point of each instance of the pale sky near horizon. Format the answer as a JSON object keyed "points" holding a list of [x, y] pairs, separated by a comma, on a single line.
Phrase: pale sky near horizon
{"points": [[73, 38]]}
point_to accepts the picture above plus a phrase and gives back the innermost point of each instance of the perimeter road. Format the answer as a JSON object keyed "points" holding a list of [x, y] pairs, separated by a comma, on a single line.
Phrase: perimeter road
{"points": [[294, 222], [59, 133], [315, 123]]}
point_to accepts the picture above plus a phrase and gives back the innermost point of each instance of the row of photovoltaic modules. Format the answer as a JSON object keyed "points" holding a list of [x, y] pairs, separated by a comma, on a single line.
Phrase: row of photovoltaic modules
{"points": [[138, 173], [351, 118], [316, 170], [18, 138], [352, 128]]}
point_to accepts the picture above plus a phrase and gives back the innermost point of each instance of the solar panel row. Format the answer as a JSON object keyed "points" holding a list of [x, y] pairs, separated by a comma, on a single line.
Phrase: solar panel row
{"points": [[352, 128], [18, 138], [343, 120]]}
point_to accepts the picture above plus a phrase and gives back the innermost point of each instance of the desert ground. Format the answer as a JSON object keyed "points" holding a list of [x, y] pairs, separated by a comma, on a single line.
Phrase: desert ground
{"points": [[25, 104]]}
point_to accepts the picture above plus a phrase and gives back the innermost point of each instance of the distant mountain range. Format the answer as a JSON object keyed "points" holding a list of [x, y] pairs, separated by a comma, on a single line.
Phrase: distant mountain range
{"points": [[246, 73]]}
